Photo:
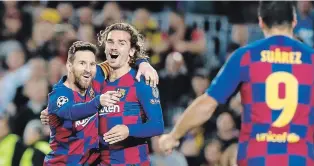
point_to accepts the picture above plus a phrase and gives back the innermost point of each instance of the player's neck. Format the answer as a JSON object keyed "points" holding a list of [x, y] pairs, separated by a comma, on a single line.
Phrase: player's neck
{"points": [[279, 32], [119, 72], [70, 84]]}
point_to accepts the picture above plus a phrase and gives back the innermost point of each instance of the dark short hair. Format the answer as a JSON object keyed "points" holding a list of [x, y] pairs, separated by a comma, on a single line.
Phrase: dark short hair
{"points": [[275, 13], [80, 46]]}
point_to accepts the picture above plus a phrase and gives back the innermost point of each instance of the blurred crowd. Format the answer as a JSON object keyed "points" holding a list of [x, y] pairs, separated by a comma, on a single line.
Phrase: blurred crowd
{"points": [[187, 43]]}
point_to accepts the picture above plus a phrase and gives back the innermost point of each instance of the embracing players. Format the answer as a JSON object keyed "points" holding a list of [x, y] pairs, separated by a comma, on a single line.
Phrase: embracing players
{"points": [[139, 113]]}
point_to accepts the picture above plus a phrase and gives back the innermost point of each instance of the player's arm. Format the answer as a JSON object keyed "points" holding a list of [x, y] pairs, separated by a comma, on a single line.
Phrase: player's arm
{"points": [[61, 103], [144, 68], [203, 107], [150, 101]]}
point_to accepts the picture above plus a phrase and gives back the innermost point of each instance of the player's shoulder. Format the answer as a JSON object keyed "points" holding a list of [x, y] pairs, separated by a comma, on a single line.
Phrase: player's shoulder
{"points": [[59, 96], [60, 92], [303, 47], [103, 68], [239, 53]]}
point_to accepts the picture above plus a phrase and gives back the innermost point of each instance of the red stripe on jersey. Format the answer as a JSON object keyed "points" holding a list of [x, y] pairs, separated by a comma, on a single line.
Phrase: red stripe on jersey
{"points": [[299, 148], [131, 96], [108, 88], [299, 72], [127, 80], [277, 160], [246, 59], [282, 91], [246, 93], [256, 149], [103, 127], [76, 147], [259, 71], [96, 85], [132, 155], [130, 120], [62, 134], [261, 113], [301, 116], [246, 129], [282, 48]]}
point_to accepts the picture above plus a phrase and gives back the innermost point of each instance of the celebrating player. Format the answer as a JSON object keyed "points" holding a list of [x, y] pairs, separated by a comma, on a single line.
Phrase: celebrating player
{"points": [[276, 78], [72, 141], [151, 79], [137, 116]]}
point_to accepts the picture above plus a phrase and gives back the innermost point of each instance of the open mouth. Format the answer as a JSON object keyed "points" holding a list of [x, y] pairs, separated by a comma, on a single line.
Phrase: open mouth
{"points": [[87, 76], [114, 55]]}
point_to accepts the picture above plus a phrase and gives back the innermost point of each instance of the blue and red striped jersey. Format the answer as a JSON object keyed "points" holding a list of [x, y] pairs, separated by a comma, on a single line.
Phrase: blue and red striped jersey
{"points": [[276, 77], [76, 136], [139, 109]]}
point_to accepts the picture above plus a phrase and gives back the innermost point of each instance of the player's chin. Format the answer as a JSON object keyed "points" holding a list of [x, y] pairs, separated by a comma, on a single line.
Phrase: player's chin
{"points": [[85, 85], [114, 65]]}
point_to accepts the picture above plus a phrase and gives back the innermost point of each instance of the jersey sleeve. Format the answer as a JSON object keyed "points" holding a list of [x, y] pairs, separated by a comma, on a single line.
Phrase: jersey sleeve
{"points": [[139, 61], [150, 101], [61, 103], [103, 71], [227, 79]]}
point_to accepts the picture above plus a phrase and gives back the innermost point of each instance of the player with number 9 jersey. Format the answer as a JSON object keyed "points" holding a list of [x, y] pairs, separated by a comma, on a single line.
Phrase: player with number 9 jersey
{"points": [[276, 77]]}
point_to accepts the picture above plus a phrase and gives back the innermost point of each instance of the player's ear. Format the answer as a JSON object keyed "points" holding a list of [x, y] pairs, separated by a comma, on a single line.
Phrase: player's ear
{"points": [[294, 22], [132, 52], [261, 22], [69, 66]]}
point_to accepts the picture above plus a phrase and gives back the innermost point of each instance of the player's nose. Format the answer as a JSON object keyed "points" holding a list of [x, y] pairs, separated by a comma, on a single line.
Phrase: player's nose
{"points": [[88, 68]]}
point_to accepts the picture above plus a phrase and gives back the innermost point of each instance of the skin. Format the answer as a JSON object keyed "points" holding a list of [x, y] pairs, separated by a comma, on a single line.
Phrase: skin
{"points": [[204, 106]]}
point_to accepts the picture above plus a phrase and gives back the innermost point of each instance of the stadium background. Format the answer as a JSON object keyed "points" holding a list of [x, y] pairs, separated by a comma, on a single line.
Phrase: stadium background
{"points": [[187, 43]]}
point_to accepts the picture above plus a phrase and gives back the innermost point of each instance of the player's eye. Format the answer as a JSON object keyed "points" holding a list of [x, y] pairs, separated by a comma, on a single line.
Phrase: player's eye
{"points": [[109, 42]]}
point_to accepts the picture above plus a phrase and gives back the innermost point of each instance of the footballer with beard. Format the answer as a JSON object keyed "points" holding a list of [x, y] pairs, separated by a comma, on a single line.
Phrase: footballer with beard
{"points": [[75, 138]]}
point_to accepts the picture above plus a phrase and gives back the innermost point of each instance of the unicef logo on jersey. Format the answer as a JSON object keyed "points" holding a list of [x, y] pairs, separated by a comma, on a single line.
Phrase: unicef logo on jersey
{"points": [[110, 109], [61, 101]]}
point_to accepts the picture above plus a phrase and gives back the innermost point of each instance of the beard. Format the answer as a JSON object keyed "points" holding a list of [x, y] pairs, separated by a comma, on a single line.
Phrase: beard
{"points": [[78, 82]]}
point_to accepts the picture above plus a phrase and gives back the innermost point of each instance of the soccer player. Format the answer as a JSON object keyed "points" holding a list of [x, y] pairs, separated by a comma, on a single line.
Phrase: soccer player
{"points": [[73, 142], [276, 77], [137, 115]]}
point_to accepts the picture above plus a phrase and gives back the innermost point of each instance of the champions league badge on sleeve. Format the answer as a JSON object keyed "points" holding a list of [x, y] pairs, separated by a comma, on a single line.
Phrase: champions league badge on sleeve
{"points": [[62, 100], [155, 95], [155, 92]]}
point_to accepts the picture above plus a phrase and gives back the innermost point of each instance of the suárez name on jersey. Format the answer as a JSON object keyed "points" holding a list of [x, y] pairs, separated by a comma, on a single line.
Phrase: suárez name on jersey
{"points": [[110, 109]]}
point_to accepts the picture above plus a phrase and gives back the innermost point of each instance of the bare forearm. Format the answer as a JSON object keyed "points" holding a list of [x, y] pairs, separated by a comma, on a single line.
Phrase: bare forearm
{"points": [[195, 115]]}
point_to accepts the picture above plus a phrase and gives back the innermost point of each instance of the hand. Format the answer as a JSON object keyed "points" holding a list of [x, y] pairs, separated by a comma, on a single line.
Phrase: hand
{"points": [[149, 73], [47, 119], [44, 118], [116, 134], [167, 142], [110, 98]]}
